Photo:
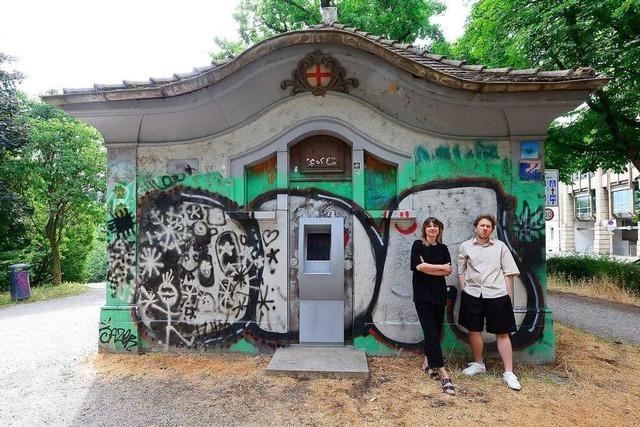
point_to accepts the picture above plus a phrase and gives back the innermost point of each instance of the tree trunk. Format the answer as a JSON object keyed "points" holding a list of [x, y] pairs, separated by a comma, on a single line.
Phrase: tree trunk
{"points": [[52, 235], [57, 271]]}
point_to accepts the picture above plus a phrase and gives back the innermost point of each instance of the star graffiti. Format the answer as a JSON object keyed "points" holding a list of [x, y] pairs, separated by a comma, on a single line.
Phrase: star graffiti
{"points": [[240, 307], [226, 249], [272, 255], [263, 302], [150, 262], [226, 293]]}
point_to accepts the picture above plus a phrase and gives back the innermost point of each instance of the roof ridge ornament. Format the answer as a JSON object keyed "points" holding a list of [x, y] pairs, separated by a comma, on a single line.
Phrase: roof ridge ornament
{"points": [[329, 13], [318, 73]]}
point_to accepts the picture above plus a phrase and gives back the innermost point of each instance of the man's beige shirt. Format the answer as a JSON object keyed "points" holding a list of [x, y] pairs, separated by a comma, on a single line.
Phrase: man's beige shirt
{"points": [[484, 267]]}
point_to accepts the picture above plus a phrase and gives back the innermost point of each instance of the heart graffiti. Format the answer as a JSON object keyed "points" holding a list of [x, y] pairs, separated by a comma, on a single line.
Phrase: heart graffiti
{"points": [[269, 236]]}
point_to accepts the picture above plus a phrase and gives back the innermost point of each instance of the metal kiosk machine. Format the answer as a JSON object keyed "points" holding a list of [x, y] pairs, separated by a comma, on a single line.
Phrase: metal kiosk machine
{"points": [[321, 279]]}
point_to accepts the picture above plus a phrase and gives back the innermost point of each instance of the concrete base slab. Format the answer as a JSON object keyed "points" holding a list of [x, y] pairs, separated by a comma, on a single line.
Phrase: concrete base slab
{"points": [[319, 362]]}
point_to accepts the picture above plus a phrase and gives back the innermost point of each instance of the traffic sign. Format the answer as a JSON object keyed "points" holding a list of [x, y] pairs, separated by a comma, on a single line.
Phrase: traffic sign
{"points": [[551, 187]]}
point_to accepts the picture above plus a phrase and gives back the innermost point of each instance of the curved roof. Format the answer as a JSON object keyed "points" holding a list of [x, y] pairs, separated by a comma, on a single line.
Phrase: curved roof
{"points": [[422, 64]]}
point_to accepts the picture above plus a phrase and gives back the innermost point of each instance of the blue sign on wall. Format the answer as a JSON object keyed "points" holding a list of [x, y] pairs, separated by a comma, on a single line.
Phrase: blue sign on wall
{"points": [[530, 170]]}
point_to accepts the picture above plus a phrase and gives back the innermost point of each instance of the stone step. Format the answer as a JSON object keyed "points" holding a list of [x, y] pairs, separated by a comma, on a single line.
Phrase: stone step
{"points": [[300, 361]]}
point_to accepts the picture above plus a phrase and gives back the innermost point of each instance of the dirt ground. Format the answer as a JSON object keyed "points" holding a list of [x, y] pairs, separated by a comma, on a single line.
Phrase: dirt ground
{"points": [[593, 382]]}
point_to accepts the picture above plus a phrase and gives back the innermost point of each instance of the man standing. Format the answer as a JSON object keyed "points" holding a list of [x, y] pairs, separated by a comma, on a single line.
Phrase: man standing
{"points": [[486, 270]]}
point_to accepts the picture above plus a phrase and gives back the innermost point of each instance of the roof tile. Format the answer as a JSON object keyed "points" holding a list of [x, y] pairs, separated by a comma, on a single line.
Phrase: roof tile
{"points": [[134, 83], [454, 62], [585, 72], [473, 67], [555, 73], [183, 76], [434, 56], [497, 70], [110, 86], [525, 72], [162, 80], [78, 90]]}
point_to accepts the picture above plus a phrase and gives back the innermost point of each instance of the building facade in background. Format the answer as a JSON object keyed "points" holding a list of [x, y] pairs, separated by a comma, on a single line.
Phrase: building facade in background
{"points": [[596, 214]]}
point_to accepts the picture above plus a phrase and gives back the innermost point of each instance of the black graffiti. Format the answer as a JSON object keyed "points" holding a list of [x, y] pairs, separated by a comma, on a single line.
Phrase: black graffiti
{"points": [[269, 236], [272, 255], [529, 234], [272, 259], [121, 259], [109, 334], [167, 181], [529, 225], [263, 302], [208, 260], [121, 223], [240, 252]]}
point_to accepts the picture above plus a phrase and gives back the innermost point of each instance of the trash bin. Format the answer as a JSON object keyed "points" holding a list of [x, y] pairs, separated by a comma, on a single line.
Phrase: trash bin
{"points": [[20, 287]]}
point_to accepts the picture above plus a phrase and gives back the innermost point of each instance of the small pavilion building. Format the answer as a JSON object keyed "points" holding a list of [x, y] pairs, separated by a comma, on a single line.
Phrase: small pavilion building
{"points": [[272, 199]]}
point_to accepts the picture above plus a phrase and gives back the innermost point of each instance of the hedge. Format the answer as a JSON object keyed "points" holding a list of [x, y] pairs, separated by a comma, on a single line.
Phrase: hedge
{"points": [[626, 275]]}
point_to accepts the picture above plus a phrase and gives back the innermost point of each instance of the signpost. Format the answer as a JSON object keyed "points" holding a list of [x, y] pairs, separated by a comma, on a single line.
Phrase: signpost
{"points": [[551, 188]]}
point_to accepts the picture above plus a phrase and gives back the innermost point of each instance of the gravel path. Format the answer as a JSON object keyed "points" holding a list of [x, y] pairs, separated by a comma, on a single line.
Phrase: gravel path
{"points": [[605, 319], [43, 350]]}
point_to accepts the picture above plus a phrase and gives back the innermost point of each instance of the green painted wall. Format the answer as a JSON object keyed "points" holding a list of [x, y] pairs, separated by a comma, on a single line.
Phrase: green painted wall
{"points": [[191, 199]]}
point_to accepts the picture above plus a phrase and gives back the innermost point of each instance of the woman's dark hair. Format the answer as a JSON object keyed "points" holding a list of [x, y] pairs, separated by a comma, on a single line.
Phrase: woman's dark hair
{"points": [[433, 221], [488, 217]]}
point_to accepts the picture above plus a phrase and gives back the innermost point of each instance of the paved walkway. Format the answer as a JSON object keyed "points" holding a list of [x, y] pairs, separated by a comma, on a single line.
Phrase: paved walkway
{"points": [[605, 319], [44, 347]]}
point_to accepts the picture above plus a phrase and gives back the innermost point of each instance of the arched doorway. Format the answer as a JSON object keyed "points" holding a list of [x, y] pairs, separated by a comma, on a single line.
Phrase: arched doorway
{"points": [[320, 240]]}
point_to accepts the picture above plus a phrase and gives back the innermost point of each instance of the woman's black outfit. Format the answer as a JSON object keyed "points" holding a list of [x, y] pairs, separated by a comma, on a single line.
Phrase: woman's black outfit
{"points": [[429, 296]]}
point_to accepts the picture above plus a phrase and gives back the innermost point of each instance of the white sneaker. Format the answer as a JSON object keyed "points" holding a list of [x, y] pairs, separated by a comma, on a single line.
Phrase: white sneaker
{"points": [[474, 368], [511, 380]]}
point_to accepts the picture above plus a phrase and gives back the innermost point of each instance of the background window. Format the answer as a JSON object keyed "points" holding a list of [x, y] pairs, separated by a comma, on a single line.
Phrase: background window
{"points": [[622, 202], [584, 206]]}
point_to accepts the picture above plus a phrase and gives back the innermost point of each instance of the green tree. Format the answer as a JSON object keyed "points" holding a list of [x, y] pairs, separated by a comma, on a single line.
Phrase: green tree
{"points": [[12, 137], [61, 172], [562, 34], [403, 20]]}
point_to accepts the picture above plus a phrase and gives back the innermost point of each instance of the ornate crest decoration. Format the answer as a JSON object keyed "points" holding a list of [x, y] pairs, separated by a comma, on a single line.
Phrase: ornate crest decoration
{"points": [[318, 73]]}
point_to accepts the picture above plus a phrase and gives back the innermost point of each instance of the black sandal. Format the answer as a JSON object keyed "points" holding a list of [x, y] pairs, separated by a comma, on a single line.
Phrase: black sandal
{"points": [[448, 387], [434, 375]]}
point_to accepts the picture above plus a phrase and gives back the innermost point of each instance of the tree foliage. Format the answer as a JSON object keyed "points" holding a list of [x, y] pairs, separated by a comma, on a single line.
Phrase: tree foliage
{"points": [[403, 20], [562, 34], [12, 132], [12, 137], [60, 173]]}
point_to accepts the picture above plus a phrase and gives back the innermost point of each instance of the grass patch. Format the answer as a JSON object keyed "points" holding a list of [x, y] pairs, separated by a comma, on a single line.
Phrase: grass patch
{"points": [[595, 288], [45, 292]]}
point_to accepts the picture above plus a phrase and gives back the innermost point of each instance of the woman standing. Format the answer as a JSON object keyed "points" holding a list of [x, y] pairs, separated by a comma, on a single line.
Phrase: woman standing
{"points": [[430, 263]]}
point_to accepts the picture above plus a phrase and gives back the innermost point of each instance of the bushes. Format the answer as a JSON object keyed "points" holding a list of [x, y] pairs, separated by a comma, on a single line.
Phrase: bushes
{"points": [[98, 262], [626, 275]]}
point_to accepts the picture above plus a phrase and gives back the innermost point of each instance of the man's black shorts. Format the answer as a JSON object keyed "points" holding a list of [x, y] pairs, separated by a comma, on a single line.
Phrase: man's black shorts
{"points": [[497, 311]]}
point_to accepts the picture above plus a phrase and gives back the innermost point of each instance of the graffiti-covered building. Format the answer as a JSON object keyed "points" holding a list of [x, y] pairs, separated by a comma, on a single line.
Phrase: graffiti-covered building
{"points": [[273, 198]]}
